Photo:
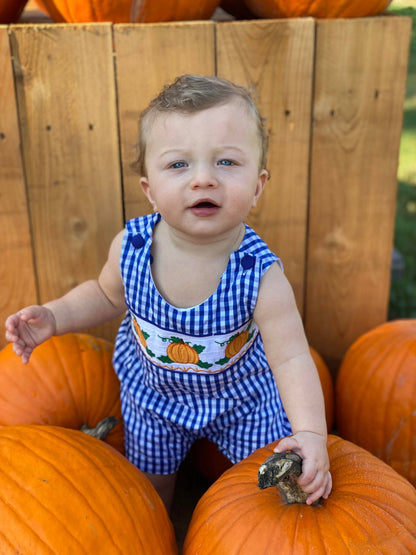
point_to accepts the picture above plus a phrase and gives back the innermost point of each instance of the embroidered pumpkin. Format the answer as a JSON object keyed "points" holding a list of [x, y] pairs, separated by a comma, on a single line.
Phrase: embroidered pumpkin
{"points": [[376, 394], [10, 10], [140, 335], [316, 8], [69, 381], [236, 344], [372, 509], [62, 491], [124, 11], [182, 353]]}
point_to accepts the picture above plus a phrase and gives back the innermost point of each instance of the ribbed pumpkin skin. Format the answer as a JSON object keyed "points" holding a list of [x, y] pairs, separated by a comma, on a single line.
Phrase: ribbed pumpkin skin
{"points": [[376, 394], [63, 492], [69, 381], [124, 11], [10, 10], [325, 9], [372, 509], [85, 11]]}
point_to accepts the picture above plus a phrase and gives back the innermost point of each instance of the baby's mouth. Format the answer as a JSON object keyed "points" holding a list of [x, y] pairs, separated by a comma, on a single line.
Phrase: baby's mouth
{"points": [[204, 208], [205, 204]]}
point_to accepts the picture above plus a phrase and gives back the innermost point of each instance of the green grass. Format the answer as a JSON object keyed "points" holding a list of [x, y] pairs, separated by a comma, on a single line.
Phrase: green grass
{"points": [[403, 292]]}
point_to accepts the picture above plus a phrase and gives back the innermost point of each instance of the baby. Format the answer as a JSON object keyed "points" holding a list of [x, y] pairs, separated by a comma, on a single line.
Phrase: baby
{"points": [[212, 344]]}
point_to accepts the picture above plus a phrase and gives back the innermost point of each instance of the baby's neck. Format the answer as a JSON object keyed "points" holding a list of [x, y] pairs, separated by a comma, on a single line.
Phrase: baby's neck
{"points": [[198, 247], [187, 272]]}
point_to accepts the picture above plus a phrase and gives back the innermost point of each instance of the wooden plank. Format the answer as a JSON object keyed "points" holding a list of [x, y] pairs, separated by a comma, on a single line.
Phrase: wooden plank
{"points": [[67, 105], [360, 76], [148, 57], [275, 60], [17, 278]]}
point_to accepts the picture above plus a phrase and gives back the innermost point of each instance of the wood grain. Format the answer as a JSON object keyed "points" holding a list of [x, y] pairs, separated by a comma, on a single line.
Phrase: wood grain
{"points": [[332, 93], [360, 76], [17, 277], [275, 59], [67, 104]]}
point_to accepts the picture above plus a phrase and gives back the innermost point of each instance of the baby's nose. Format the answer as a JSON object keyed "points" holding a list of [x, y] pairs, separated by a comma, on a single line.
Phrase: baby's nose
{"points": [[203, 176]]}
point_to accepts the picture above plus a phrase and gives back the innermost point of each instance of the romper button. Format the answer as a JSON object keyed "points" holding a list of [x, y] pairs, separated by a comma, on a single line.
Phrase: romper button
{"points": [[247, 262], [137, 241]]}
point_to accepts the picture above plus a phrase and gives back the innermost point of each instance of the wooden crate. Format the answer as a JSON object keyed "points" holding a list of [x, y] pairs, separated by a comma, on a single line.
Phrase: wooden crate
{"points": [[332, 92]]}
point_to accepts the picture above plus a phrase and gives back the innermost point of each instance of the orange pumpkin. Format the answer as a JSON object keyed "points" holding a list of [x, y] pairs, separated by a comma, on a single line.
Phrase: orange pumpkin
{"points": [[372, 509], [64, 492], [376, 394], [316, 8], [10, 10], [69, 381], [123, 11], [236, 344], [208, 460], [182, 353]]}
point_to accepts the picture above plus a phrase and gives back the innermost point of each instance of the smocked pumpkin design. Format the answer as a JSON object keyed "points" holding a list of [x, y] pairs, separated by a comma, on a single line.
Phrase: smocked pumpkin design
{"points": [[190, 356]]}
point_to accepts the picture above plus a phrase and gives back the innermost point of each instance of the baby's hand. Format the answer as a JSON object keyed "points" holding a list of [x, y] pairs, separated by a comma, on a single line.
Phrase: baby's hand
{"points": [[28, 328], [315, 478]]}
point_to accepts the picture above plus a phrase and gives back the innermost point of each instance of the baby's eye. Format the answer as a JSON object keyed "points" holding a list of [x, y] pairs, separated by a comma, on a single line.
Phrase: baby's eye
{"points": [[225, 163], [178, 165]]}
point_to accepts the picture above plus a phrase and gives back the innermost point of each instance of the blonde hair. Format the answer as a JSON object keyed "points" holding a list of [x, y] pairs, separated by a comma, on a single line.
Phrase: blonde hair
{"points": [[194, 93]]}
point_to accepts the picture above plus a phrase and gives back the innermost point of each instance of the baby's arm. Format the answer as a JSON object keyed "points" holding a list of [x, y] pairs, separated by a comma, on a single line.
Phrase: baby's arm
{"points": [[297, 379], [89, 304]]}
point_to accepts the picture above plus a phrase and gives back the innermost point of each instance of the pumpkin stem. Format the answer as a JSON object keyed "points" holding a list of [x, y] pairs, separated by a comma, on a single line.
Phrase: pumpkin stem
{"points": [[281, 470], [102, 429]]}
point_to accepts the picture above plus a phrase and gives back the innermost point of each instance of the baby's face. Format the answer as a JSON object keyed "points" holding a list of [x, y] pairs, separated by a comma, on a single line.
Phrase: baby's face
{"points": [[203, 168]]}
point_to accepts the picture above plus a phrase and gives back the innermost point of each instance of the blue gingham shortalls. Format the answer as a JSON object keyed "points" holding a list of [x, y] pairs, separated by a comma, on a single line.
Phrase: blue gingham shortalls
{"points": [[194, 372]]}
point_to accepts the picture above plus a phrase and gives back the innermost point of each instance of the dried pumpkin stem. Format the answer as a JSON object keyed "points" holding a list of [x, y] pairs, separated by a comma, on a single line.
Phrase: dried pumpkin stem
{"points": [[281, 470], [102, 429]]}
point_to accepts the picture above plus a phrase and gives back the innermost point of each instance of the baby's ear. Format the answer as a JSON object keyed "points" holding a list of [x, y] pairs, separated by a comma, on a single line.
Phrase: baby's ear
{"points": [[261, 182], [146, 190]]}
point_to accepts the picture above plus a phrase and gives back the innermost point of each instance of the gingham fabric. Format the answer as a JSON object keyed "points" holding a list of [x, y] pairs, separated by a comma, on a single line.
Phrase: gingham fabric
{"points": [[194, 372]]}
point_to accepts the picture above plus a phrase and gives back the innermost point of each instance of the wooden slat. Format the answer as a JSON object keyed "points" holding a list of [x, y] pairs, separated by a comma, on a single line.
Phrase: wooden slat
{"points": [[148, 57], [17, 279], [275, 60], [67, 105], [360, 79]]}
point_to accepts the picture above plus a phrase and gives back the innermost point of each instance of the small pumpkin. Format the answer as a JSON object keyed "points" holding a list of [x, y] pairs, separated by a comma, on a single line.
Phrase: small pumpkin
{"points": [[69, 381], [62, 491], [236, 344], [140, 335], [376, 394], [372, 509], [10, 10], [182, 353], [124, 11], [316, 8]]}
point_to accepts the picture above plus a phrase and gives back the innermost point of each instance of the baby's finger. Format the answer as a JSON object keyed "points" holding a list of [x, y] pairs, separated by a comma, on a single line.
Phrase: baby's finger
{"points": [[315, 496], [10, 336], [320, 487], [286, 444], [328, 487]]}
